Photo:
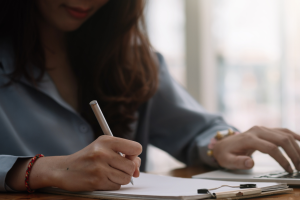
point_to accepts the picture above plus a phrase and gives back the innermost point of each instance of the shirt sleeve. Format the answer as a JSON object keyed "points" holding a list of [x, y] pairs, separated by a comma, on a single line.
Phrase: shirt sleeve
{"points": [[179, 125], [6, 163]]}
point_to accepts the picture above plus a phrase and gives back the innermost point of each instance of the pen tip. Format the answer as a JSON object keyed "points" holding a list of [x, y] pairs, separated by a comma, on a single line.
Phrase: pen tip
{"points": [[93, 102]]}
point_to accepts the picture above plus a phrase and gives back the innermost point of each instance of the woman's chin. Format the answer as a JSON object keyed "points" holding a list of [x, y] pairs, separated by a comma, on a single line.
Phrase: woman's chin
{"points": [[69, 26]]}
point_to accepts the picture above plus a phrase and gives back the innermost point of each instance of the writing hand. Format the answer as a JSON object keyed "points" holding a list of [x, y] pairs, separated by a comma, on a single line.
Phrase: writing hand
{"points": [[96, 167]]}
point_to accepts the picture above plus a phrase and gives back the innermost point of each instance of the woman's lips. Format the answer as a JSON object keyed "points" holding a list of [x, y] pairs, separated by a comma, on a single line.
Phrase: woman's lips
{"points": [[76, 12]]}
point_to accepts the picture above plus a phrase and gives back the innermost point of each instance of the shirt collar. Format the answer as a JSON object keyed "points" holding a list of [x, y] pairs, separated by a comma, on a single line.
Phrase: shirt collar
{"points": [[45, 86]]}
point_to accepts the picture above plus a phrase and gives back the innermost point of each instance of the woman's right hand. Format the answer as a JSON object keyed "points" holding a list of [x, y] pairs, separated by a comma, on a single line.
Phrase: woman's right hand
{"points": [[96, 167], [235, 152]]}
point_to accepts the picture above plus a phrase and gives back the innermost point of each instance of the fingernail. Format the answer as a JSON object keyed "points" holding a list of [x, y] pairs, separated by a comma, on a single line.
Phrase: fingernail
{"points": [[290, 170], [248, 163]]}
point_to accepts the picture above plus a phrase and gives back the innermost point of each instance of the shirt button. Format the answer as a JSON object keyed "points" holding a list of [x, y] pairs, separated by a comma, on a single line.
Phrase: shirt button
{"points": [[83, 128]]}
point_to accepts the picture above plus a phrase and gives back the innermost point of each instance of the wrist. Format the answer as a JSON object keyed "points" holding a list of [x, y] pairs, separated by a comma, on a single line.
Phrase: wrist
{"points": [[15, 177], [219, 136], [45, 172]]}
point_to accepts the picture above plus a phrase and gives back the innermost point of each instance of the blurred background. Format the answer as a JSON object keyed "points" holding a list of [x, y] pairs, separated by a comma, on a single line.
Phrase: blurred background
{"points": [[238, 58]]}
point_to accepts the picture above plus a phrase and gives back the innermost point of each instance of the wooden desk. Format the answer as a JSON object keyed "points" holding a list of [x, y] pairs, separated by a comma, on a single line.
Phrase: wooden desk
{"points": [[184, 172]]}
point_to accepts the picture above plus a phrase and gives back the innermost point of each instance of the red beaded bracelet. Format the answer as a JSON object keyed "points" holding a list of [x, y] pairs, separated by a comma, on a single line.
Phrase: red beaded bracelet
{"points": [[32, 161]]}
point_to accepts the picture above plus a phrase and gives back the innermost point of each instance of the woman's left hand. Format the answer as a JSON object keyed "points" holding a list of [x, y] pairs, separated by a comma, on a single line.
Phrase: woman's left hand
{"points": [[234, 152]]}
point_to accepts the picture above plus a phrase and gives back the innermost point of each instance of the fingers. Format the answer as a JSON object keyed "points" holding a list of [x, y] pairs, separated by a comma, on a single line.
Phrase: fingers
{"points": [[99, 166], [137, 162], [268, 148], [232, 161], [295, 135], [124, 146], [121, 177], [118, 177], [129, 164], [233, 152], [107, 149], [110, 185], [123, 164], [286, 141]]}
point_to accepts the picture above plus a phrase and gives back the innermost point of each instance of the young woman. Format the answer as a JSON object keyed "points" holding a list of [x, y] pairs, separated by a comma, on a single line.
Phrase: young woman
{"points": [[58, 55]]}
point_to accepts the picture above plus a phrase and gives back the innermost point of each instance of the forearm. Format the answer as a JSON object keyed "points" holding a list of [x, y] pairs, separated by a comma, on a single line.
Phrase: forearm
{"points": [[96, 167], [42, 173]]}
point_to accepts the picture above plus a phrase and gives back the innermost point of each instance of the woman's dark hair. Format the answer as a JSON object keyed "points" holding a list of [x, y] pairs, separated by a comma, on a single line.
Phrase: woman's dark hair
{"points": [[110, 55]]}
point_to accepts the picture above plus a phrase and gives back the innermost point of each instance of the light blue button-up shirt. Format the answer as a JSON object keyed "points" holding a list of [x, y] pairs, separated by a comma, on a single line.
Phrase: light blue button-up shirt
{"points": [[37, 120]]}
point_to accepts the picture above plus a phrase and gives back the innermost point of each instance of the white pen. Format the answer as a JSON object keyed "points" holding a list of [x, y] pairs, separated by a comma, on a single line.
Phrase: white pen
{"points": [[101, 120]]}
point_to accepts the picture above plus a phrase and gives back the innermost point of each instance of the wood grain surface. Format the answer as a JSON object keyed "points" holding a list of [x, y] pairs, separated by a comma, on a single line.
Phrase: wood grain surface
{"points": [[184, 172]]}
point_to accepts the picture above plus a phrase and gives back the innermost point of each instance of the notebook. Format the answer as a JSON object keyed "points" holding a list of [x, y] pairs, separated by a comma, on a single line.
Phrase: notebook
{"points": [[150, 187]]}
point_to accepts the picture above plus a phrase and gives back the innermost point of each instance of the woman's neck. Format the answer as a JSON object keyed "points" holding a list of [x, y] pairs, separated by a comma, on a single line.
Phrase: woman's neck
{"points": [[52, 39], [57, 63]]}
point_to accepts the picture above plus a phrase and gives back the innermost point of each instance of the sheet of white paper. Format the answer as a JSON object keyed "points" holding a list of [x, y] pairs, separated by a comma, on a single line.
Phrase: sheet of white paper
{"points": [[165, 187], [149, 184]]}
